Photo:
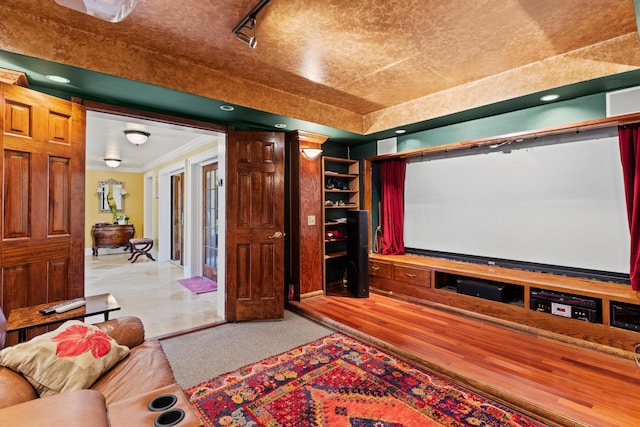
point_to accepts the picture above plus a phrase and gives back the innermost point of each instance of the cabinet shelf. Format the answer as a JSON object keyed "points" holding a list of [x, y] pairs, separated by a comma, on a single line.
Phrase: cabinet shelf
{"points": [[338, 174], [334, 255], [330, 159]]}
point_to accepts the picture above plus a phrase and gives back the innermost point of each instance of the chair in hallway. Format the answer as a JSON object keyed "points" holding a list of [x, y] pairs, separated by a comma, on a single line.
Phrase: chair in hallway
{"points": [[140, 247]]}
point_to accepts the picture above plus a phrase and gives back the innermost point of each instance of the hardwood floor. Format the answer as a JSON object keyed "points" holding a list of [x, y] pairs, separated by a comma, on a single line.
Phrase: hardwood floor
{"points": [[559, 383]]}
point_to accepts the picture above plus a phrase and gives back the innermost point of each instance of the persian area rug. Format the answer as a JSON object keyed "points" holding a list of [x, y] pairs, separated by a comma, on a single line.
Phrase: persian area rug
{"points": [[199, 284], [338, 381]]}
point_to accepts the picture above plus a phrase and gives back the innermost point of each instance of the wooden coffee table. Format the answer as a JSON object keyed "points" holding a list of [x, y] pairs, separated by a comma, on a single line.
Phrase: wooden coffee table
{"points": [[22, 319]]}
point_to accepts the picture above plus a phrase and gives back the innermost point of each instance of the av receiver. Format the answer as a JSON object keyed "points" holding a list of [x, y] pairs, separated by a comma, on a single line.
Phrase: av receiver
{"points": [[626, 316], [501, 292], [566, 305]]}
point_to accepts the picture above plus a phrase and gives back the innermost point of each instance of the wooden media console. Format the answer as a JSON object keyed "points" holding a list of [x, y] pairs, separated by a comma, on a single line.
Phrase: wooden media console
{"points": [[432, 280]]}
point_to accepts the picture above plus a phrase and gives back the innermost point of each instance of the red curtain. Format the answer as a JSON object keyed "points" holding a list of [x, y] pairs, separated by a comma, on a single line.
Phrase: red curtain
{"points": [[392, 173], [629, 138]]}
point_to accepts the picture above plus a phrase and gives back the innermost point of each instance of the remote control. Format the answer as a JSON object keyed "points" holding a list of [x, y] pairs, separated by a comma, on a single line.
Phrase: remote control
{"points": [[64, 306], [70, 306]]}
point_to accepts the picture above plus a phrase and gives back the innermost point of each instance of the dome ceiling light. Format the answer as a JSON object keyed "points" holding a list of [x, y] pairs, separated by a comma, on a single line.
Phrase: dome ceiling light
{"points": [[137, 137], [112, 163]]}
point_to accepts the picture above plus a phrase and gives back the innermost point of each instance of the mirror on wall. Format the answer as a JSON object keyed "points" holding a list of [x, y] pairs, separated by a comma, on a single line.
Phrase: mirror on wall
{"points": [[116, 188]]}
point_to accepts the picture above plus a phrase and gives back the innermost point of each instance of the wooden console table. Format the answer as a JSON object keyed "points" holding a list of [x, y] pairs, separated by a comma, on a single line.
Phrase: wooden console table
{"points": [[111, 236]]}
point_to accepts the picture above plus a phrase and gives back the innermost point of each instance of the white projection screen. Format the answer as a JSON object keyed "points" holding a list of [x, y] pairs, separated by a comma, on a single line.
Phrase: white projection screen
{"points": [[556, 200]]}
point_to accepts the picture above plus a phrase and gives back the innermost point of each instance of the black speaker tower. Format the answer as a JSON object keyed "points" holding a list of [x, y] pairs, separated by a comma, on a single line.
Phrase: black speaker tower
{"points": [[357, 254]]}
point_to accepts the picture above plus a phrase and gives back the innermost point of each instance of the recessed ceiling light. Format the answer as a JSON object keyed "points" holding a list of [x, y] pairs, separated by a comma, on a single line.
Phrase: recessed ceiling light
{"points": [[58, 79], [400, 131], [280, 125], [550, 97], [227, 107]]}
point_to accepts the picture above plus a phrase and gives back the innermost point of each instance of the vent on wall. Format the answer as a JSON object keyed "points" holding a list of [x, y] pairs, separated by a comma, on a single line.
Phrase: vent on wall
{"points": [[625, 101], [387, 146]]}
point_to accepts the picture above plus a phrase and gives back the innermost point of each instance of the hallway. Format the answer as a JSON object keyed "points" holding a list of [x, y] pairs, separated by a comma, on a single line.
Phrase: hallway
{"points": [[150, 291]]}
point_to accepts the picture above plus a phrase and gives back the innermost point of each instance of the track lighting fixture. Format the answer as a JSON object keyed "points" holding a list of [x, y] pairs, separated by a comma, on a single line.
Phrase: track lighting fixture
{"points": [[250, 37], [245, 31], [137, 137]]}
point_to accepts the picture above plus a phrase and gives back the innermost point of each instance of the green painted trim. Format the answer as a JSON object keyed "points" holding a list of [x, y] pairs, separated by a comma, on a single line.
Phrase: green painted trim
{"points": [[543, 116]]}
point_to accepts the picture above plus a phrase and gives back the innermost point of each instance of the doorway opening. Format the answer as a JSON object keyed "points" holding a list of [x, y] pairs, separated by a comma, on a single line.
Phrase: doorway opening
{"points": [[170, 200]]}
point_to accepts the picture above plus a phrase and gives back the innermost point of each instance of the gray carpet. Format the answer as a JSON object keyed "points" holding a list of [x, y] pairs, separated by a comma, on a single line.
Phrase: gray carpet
{"points": [[199, 356]]}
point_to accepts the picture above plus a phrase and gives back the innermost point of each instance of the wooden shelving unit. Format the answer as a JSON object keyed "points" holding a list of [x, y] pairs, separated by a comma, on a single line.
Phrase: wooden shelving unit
{"points": [[340, 193]]}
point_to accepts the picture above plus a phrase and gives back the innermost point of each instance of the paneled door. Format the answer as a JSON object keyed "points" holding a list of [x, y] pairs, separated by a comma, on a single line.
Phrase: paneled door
{"points": [[255, 226], [43, 181], [210, 215], [177, 217]]}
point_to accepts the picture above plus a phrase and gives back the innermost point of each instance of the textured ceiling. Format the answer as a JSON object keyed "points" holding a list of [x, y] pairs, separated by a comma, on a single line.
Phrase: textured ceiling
{"points": [[361, 66]]}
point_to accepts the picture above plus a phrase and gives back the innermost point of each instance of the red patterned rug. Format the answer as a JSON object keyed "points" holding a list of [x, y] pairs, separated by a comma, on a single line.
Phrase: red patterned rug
{"points": [[338, 381]]}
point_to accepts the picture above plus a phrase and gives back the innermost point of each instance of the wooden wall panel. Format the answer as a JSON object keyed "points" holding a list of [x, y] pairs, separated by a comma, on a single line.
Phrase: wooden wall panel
{"points": [[244, 199], [244, 151], [268, 204], [57, 278], [59, 128], [268, 267], [59, 200], [16, 189], [33, 250], [17, 119], [267, 152], [243, 271], [305, 201], [15, 287]]}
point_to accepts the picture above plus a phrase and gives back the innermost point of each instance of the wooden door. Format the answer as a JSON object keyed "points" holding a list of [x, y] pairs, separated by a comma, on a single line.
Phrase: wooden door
{"points": [[43, 181], [255, 226], [210, 215], [177, 217]]}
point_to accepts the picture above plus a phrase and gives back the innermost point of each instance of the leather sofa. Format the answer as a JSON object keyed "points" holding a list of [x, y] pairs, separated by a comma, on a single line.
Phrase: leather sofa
{"points": [[120, 397]]}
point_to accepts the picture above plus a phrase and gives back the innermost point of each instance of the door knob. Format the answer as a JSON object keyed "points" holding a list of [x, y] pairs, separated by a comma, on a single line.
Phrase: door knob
{"points": [[277, 235]]}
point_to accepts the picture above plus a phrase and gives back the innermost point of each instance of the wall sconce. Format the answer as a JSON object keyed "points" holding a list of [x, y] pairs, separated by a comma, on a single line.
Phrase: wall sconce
{"points": [[249, 23], [137, 137], [111, 11], [311, 153], [112, 163]]}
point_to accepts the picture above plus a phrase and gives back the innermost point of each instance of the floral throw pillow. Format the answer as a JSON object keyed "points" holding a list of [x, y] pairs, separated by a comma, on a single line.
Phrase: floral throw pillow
{"points": [[72, 357]]}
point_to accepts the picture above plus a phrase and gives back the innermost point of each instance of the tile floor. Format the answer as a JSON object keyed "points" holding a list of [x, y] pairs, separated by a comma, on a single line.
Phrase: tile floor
{"points": [[149, 290]]}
